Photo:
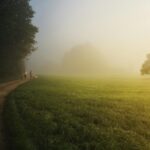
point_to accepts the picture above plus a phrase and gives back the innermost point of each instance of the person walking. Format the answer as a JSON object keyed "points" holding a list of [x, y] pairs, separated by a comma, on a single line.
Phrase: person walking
{"points": [[25, 75], [31, 75]]}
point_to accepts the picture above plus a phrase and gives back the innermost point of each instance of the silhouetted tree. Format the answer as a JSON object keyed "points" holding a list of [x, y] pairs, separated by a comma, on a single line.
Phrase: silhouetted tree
{"points": [[17, 36], [146, 66], [83, 59]]}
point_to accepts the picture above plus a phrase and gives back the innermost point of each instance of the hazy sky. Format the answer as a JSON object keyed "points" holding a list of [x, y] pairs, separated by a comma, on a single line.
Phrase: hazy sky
{"points": [[119, 28]]}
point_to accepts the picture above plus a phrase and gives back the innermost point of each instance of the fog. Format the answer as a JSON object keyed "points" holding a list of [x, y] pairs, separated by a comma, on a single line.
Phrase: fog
{"points": [[117, 32]]}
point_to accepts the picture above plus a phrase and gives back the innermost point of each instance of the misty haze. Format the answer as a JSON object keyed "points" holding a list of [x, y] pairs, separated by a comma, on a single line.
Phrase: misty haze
{"points": [[75, 75], [119, 30]]}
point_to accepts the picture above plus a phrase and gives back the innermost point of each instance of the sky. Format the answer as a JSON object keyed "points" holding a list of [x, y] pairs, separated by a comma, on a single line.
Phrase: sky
{"points": [[120, 29]]}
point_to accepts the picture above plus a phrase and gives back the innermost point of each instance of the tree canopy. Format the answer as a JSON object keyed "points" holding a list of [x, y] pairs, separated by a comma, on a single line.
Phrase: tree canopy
{"points": [[84, 59], [146, 66], [17, 36]]}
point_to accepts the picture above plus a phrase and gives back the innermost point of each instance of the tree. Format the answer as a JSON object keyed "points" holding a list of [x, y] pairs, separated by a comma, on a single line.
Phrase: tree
{"points": [[84, 59], [17, 36], [146, 66]]}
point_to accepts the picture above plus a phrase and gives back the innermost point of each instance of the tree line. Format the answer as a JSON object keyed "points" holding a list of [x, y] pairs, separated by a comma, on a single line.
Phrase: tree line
{"points": [[17, 36]]}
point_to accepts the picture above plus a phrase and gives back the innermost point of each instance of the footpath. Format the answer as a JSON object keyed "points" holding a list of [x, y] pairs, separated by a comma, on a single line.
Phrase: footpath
{"points": [[5, 89]]}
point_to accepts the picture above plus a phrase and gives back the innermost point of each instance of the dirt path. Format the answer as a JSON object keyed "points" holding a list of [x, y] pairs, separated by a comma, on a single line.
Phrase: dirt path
{"points": [[5, 89]]}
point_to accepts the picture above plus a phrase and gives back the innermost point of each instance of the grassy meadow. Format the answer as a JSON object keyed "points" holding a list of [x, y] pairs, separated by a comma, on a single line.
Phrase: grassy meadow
{"points": [[57, 113]]}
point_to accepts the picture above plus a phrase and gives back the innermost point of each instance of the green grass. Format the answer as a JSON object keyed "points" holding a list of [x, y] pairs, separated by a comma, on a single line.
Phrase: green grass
{"points": [[79, 114]]}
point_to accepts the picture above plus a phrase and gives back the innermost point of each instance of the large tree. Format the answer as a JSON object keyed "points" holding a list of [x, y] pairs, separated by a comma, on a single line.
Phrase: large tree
{"points": [[17, 36], [146, 66], [84, 59]]}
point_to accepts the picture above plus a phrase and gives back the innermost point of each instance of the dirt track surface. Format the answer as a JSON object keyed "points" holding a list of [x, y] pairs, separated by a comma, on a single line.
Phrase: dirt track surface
{"points": [[5, 89]]}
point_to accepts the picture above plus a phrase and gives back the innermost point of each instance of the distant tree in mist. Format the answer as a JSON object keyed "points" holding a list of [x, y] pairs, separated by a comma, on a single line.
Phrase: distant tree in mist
{"points": [[146, 66], [16, 36], [84, 59]]}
